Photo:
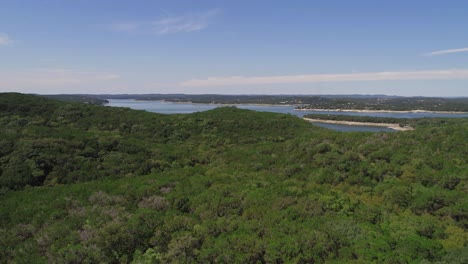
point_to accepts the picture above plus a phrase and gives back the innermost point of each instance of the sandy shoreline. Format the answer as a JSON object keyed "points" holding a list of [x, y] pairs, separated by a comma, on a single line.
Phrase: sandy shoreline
{"points": [[353, 123], [381, 111]]}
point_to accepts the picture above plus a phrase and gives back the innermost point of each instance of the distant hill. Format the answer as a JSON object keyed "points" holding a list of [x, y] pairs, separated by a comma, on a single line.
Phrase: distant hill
{"points": [[87, 99], [161, 96]]}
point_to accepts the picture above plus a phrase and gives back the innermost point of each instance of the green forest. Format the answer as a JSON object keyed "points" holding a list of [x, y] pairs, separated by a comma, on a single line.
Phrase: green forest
{"points": [[83, 183], [77, 98]]}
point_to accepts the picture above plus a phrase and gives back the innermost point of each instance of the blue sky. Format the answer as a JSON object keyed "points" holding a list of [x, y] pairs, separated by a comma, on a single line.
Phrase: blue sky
{"points": [[234, 47]]}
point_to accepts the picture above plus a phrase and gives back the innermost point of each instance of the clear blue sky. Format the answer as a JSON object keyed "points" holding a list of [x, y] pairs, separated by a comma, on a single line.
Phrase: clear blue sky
{"points": [[233, 47]]}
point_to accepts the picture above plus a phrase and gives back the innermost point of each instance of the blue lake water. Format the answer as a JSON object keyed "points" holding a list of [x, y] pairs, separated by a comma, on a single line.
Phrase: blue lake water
{"points": [[186, 108]]}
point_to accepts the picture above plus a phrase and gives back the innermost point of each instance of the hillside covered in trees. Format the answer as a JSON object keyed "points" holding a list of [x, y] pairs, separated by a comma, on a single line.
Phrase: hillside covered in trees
{"points": [[77, 98], [81, 183]]}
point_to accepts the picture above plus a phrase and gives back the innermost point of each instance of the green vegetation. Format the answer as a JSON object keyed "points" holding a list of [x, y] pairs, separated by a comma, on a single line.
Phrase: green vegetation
{"points": [[93, 184], [77, 98]]}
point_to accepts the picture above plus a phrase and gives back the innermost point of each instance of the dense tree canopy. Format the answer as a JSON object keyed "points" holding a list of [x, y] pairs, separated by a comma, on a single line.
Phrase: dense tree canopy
{"points": [[90, 184]]}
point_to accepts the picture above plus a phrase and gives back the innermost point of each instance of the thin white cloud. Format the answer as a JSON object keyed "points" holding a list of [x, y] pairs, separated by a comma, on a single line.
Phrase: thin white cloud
{"points": [[4, 39], [176, 25], [445, 52], [52, 78], [322, 78], [169, 24], [185, 23]]}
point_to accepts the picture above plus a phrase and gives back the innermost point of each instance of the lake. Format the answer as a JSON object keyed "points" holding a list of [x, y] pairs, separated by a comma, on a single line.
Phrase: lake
{"points": [[164, 107]]}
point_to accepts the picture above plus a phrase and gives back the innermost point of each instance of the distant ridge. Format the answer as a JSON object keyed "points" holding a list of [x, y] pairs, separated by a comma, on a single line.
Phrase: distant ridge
{"points": [[130, 96]]}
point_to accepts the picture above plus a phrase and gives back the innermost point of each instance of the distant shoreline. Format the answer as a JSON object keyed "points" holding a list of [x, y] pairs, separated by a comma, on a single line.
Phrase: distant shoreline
{"points": [[221, 104], [304, 109], [381, 111], [354, 123]]}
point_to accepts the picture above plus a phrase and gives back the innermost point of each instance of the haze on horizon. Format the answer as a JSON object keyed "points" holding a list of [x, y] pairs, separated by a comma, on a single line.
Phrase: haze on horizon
{"points": [[408, 48]]}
